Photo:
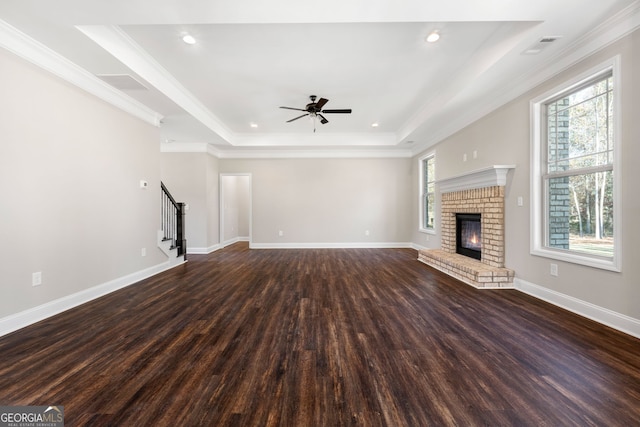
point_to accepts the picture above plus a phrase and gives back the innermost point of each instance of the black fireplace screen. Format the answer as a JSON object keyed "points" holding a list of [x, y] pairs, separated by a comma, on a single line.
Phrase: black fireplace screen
{"points": [[469, 235]]}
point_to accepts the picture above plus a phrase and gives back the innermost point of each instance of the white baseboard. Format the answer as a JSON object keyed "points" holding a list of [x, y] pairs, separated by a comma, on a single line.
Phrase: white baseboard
{"points": [[203, 251], [352, 245], [626, 324], [234, 240], [30, 316]]}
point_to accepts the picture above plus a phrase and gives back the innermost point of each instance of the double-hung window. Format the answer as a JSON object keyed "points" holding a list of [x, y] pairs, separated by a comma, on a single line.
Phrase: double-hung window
{"points": [[575, 172], [427, 193]]}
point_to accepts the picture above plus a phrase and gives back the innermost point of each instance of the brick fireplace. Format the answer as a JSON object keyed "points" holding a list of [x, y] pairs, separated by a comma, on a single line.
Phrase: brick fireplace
{"points": [[479, 192]]}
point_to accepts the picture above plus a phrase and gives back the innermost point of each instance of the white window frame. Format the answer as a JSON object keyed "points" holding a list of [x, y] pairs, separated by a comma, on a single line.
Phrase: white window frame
{"points": [[538, 169], [422, 194]]}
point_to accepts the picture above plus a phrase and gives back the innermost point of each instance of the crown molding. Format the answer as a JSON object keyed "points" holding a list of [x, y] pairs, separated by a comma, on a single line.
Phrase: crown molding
{"points": [[315, 154], [216, 151], [40, 55], [115, 41], [331, 139]]}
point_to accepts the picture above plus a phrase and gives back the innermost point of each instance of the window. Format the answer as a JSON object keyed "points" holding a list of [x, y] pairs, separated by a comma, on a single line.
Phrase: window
{"points": [[574, 184], [427, 193]]}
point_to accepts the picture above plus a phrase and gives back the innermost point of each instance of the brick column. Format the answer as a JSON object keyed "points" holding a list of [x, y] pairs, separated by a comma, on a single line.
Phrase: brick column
{"points": [[559, 203]]}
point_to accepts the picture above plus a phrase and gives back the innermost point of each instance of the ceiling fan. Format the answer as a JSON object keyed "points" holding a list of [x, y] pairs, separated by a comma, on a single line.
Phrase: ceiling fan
{"points": [[314, 110]]}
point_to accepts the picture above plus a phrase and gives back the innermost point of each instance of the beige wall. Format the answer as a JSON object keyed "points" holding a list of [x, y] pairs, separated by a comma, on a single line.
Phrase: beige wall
{"points": [[192, 178], [502, 137], [325, 201], [243, 189], [70, 167], [213, 203]]}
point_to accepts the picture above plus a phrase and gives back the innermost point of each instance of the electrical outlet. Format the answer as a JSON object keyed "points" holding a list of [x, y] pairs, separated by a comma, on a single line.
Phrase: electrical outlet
{"points": [[475, 154], [520, 201], [464, 157], [36, 279], [280, 233], [554, 270], [366, 232], [143, 252]]}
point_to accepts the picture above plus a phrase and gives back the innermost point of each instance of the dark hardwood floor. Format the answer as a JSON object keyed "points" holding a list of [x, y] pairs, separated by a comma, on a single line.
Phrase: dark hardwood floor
{"points": [[321, 338]]}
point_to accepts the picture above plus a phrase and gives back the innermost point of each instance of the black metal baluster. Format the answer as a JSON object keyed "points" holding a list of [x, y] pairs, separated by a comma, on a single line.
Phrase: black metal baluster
{"points": [[173, 222]]}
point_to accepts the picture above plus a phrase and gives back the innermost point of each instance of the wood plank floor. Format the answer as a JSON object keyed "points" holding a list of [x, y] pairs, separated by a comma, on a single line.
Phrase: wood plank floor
{"points": [[326, 337]]}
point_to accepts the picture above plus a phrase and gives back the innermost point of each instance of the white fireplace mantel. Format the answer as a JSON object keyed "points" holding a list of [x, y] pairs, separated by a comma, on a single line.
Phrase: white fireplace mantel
{"points": [[479, 178]]}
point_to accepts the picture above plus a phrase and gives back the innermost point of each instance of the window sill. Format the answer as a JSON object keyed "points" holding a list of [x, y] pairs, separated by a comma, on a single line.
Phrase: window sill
{"points": [[576, 258], [427, 230]]}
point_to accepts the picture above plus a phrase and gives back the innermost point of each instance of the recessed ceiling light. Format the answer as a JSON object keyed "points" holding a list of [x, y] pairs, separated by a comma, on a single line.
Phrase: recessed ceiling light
{"points": [[375, 125], [254, 125], [188, 39], [433, 37]]}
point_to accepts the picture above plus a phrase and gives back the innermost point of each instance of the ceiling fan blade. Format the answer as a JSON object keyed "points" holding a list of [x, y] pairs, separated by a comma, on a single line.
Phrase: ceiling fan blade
{"points": [[296, 118], [291, 108], [321, 103], [343, 111], [323, 120]]}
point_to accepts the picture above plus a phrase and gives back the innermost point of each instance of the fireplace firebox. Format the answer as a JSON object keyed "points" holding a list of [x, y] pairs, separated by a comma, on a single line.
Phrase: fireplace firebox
{"points": [[469, 235]]}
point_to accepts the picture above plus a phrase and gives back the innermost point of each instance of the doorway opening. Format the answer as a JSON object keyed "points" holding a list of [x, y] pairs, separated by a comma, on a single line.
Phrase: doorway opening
{"points": [[235, 208]]}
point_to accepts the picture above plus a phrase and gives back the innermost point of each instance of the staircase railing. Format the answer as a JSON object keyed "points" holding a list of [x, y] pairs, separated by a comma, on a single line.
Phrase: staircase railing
{"points": [[173, 222]]}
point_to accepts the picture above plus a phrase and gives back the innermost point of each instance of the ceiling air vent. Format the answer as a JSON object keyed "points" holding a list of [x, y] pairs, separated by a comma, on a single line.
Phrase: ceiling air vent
{"points": [[122, 81], [548, 39], [541, 44]]}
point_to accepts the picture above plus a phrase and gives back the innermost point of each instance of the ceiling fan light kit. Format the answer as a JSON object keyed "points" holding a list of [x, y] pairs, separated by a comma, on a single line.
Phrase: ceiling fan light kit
{"points": [[314, 110]]}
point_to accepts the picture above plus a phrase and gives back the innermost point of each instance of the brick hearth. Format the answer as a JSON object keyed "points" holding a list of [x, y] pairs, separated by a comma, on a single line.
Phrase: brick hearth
{"points": [[468, 270], [490, 271]]}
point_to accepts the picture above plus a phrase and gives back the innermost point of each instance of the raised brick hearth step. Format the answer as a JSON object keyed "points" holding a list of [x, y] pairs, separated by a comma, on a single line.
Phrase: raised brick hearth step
{"points": [[468, 270]]}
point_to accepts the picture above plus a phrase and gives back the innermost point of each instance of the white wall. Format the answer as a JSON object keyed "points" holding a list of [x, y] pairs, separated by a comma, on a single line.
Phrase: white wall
{"points": [[70, 167], [502, 137], [327, 201]]}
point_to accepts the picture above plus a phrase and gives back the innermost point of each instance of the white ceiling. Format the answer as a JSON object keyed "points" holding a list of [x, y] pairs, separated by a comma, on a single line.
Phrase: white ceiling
{"points": [[253, 56]]}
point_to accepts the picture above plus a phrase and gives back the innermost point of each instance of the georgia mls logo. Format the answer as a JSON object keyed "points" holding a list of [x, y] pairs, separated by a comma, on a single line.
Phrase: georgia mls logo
{"points": [[31, 416]]}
